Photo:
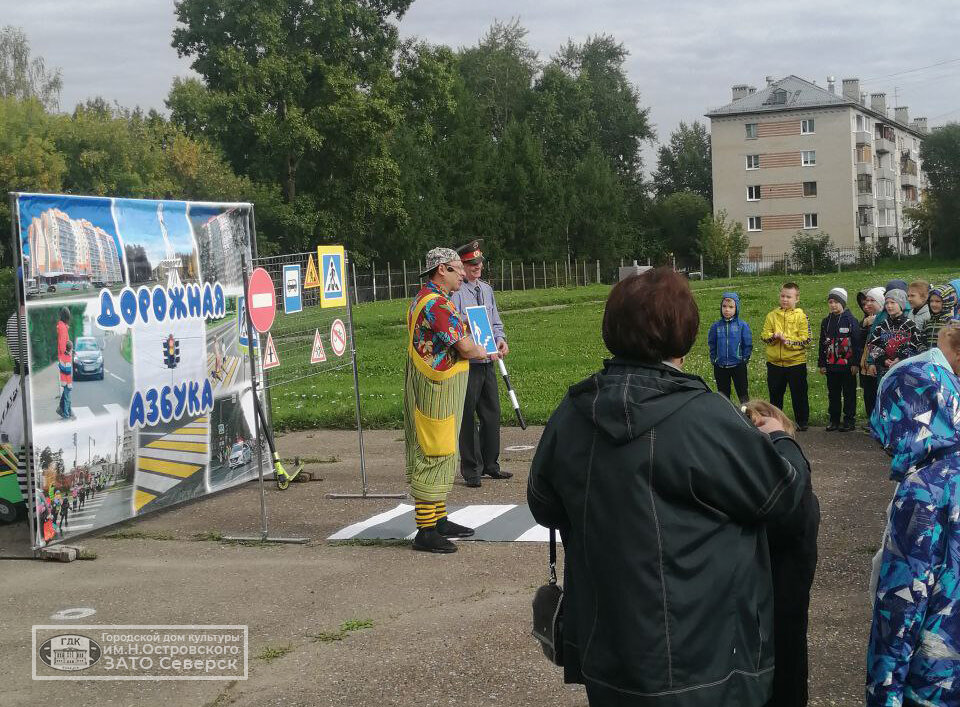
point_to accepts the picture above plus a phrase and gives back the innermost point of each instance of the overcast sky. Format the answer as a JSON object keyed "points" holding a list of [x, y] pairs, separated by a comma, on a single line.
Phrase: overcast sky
{"points": [[684, 54]]}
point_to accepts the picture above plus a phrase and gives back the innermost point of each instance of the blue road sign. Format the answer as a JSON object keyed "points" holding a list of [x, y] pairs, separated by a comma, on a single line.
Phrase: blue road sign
{"points": [[481, 329], [242, 340], [292, 294]]}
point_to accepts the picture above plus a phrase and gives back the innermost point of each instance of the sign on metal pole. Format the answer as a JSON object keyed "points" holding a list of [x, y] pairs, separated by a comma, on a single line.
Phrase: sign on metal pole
{"points": [[332, 274], [338, 337], [292, 296], [262, 301]]}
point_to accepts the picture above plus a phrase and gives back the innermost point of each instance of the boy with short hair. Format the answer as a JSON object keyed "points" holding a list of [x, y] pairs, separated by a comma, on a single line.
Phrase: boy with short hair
{"points": [[917, 295], [786, 332], [839, 360], [731, 343]]}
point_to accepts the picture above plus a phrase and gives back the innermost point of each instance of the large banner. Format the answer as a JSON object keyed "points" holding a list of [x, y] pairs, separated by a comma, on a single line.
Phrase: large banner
{"points": [[138, 388]]}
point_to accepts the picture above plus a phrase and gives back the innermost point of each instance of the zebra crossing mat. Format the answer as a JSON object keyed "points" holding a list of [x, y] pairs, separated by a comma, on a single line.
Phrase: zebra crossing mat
{"points": [[493, 523]]}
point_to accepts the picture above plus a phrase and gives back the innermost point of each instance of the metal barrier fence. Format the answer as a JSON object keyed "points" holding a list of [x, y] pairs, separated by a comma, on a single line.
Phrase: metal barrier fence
{"points": [[387, 281]]}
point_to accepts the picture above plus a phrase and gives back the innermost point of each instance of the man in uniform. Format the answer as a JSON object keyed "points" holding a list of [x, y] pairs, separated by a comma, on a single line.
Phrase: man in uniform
{"points": [[439, 347], [480, 445]]}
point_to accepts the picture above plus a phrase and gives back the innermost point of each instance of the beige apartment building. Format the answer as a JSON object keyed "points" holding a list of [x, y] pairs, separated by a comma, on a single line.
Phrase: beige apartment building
{"points": [[797, 157]]}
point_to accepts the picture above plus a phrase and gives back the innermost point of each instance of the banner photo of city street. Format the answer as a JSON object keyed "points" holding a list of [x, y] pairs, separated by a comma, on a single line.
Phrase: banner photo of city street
{"points": [[138, 388]]}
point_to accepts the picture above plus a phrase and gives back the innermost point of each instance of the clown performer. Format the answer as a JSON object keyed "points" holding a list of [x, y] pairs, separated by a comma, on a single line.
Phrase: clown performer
{"points": [[439, 349]]}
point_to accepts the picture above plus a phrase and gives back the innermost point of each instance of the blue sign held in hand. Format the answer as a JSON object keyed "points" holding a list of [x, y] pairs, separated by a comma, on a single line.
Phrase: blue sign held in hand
{"points": [[481, 329]]}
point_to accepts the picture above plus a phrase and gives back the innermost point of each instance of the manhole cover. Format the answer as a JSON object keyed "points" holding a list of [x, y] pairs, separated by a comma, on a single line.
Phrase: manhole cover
{"points": [[73, 614], [520, 448]]}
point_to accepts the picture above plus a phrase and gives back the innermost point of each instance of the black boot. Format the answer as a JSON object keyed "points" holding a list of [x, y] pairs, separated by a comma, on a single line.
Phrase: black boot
{"points": [[429, 540], [448, 529]]}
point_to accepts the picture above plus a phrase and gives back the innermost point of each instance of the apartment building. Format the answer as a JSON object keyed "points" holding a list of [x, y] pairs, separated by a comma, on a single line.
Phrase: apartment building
{"points": [[794, 156]]}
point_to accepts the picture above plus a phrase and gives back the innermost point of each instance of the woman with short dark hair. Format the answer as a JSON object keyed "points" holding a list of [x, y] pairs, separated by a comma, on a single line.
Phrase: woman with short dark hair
{"points": [[661, 490]]}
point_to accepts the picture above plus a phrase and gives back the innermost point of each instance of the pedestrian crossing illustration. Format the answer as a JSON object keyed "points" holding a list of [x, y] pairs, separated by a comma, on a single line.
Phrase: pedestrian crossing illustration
{"points": [[493, 523], [85, 517], [114, 410], [170, 459], [229, 374]]}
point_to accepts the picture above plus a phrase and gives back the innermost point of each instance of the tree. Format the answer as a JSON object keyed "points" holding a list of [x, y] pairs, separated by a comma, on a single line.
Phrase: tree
{"points": [[299, 94], [722, 242], [685, 163], [675, 220], [921, 222], [24, 77], [813, 250], [940, 153]]}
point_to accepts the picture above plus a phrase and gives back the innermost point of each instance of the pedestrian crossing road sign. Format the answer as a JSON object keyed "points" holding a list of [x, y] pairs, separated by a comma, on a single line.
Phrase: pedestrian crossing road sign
{"points": [[312, 280], [318, 355], [480, 328], [332, 270], [270, 357], [242, 340]]}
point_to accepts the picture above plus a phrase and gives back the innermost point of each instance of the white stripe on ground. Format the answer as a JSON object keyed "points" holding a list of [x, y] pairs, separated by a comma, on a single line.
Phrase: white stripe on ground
{"points": [[72, 528], [146, 479], [356, 528], [536, 534], [83, 413], [174, 455], [173, 437], [118, 378], [115, 409], [475, 516]]}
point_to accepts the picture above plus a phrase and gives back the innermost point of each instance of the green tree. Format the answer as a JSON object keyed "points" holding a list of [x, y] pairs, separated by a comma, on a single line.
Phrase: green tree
{"points": [[921, 222], [684, 164], [813, 252], [940, 153], [721, 241], [23, 76], [675, 220], [299, 94]]}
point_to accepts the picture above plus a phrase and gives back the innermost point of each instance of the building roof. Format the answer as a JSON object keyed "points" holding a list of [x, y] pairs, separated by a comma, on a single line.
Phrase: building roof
{"points": [[795, 93]]}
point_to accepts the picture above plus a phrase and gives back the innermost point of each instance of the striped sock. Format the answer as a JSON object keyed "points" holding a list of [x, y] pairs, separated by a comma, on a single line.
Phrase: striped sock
{"points": [[441, 510], [426, 514]]}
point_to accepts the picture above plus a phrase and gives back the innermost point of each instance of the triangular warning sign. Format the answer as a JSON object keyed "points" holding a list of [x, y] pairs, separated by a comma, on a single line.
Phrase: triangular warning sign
{"points": [[332, 283], [270, 357], [312, 280], [318, 355]]}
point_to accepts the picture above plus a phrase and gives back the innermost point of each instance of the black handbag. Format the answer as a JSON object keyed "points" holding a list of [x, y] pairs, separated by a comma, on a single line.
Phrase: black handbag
{"points": [[548, 611]]}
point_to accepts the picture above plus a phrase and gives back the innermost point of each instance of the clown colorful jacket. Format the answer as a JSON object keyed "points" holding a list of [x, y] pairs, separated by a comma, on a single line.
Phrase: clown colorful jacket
{"points": [[914, 650]]}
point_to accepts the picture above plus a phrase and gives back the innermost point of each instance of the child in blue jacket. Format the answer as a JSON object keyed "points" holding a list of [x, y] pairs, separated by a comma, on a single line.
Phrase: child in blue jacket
{"points": [[731, 343]]}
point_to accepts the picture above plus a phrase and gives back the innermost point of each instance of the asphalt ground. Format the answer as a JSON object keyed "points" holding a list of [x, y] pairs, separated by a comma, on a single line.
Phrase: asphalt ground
{"points": [[443, 630]]}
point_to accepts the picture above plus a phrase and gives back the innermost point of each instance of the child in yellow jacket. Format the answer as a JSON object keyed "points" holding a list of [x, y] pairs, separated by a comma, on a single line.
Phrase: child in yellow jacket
{"points": [[786, 332]]}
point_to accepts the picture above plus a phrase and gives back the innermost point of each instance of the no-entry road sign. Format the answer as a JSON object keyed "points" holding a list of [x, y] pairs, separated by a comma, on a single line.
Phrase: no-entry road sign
{"points": [[262, 300]]}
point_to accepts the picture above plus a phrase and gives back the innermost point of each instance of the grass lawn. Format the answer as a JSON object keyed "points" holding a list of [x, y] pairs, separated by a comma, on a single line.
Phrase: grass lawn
{"points": [[554, 337]]}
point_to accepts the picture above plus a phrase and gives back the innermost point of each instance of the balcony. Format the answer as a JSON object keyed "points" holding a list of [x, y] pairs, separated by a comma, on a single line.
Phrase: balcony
{"points": [[886, 202], [909, 180], [886, 231], [865, 199], [863, 137], [884, 173], [864, 167], [882, 144]]}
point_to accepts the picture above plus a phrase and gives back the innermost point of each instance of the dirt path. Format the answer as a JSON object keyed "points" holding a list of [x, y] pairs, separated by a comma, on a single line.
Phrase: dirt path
{"points": [[446, 630]]}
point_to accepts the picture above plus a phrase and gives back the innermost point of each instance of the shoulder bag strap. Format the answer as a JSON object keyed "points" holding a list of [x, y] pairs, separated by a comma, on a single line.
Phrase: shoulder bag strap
{"points": [[553, 556]]}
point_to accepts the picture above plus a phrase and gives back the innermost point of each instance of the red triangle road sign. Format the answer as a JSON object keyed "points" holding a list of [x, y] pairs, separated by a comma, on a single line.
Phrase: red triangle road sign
{"points": [[270, 357], [318, 355]]}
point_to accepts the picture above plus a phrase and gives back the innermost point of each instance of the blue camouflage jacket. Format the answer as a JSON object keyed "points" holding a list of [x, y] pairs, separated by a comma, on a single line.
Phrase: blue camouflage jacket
{"points": [[914, 650]]}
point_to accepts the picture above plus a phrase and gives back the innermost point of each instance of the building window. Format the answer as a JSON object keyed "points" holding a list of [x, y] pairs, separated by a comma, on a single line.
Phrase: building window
{"points": [[753, 223], [751, 131], [864, 154], [753, 193], [808, 158], [864, 184], [809, 188], [861, 123], [806, 127], [809, 220], [753, 161]]}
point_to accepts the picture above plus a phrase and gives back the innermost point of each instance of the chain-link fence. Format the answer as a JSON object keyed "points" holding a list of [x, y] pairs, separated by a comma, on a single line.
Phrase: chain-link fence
{"points": [[385, 281]]}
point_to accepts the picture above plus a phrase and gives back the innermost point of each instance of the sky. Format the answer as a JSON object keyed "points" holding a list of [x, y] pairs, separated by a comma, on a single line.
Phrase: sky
{"points": [[685, 55]]}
